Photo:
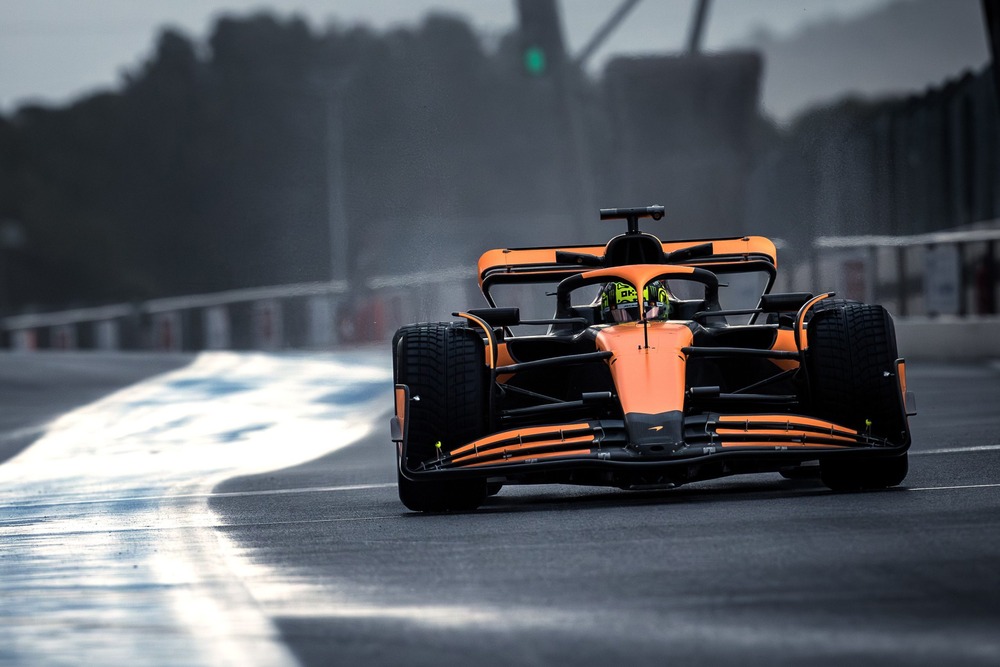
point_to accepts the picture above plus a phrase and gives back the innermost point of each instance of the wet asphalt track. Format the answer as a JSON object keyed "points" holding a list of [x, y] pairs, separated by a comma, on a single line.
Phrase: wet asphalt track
{"points": [[750, 570], [35, 388]]}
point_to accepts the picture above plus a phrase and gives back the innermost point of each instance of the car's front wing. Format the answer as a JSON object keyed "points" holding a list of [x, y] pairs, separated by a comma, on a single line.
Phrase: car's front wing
{"points": [[713, 445]]}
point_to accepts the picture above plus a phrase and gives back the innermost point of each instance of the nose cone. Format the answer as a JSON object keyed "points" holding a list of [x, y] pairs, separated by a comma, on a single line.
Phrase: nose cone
{"points": [[648, 369], [654, 434]]}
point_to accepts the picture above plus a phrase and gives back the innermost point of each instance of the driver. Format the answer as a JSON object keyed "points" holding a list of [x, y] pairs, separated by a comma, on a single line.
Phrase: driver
{"points": [[619, 302]]}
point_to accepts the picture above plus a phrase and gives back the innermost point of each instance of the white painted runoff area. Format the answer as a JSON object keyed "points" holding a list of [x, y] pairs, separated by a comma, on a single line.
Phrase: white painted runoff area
{"points": [[107, 551]]}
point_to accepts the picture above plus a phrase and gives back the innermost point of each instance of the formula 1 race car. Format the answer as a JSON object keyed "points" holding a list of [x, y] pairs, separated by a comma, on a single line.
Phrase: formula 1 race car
{"points": [[664, 363]]}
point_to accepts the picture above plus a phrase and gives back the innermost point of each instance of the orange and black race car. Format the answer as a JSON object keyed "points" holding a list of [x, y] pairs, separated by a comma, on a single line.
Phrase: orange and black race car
{"points": [[643, 364]]}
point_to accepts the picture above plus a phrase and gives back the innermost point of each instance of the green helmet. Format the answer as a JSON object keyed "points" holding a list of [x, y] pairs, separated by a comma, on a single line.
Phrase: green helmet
{"points": [[619, 302]]}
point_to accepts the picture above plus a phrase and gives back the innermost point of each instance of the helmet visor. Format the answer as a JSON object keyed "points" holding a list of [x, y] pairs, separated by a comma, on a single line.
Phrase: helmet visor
{"points": [[626, 312], [657, 311]]}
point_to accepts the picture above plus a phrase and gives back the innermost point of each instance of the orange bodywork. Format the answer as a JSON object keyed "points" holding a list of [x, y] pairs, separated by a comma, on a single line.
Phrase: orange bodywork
{"points": [[785, 340], [901, 378], [790, 429], [490, 338], [789, 420], [507, 260], [504, 358], [534, 457], [568, 433], [525, 444], [800, 320], [401, 405], [649, 380], [783, 445], [401, 398], [522, 448]]}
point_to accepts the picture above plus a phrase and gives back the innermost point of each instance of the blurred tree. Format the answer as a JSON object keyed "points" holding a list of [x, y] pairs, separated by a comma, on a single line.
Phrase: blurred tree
{"points": [[209, 169]]}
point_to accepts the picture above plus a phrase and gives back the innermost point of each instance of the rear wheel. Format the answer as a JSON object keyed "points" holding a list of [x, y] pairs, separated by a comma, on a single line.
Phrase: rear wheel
{"points": [[852, 381], [443, 365]]}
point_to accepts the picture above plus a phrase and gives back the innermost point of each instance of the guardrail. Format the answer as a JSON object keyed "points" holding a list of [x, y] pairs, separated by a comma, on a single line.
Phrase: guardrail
{"points": [[925, 275], [300, 316], [942, 288], [237, 319]]}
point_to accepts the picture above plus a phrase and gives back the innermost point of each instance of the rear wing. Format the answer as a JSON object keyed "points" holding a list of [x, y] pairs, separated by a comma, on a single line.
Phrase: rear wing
{"points": [[511, 265]]}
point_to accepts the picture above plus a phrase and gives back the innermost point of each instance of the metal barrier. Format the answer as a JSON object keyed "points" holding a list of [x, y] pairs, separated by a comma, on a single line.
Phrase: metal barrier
{"points": [[925, 275], [941, 289], [258, 318], [299, 316]]}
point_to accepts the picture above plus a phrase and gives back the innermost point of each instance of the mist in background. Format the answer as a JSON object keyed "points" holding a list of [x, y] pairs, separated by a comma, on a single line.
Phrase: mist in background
{"points": [[283, 149]]}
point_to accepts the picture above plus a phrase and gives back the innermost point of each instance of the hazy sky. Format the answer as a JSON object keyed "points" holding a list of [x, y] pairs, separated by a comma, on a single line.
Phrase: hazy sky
{"points": [[52, 51]]}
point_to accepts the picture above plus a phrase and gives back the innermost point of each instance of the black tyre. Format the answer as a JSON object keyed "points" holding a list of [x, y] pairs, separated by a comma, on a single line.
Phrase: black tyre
{"points": [[443, 365], [402, 331], [830, 304], [852, 381]]}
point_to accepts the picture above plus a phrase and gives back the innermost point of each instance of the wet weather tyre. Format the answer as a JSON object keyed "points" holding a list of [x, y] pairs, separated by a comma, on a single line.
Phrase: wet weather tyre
{"points": [[830, 304], [852, 381], [443, 365], [402, 331]]}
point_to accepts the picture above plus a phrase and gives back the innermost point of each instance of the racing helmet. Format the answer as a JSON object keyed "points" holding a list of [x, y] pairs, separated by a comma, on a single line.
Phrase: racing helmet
{"points": [[659, 300], [619, 302]]}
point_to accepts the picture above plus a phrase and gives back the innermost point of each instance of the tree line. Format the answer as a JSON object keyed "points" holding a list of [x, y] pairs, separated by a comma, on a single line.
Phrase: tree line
{"points": [[247, 159], [209, 168]]}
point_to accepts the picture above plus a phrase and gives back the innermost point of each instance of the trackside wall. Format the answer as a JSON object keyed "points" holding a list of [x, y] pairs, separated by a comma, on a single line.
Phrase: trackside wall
{"points": [[944, 317]]}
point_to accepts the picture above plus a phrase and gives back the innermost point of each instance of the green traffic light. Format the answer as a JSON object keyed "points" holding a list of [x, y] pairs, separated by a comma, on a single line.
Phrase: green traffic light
{"points": [[534, 60]]}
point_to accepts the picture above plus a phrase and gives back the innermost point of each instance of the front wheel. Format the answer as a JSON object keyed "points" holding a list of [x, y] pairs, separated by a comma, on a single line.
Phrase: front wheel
{"points": [[444, 367], [851, 365]]}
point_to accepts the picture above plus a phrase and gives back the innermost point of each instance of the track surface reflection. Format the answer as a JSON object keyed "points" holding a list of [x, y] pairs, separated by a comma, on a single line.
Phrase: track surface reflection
{"points": [[109, 556]]}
